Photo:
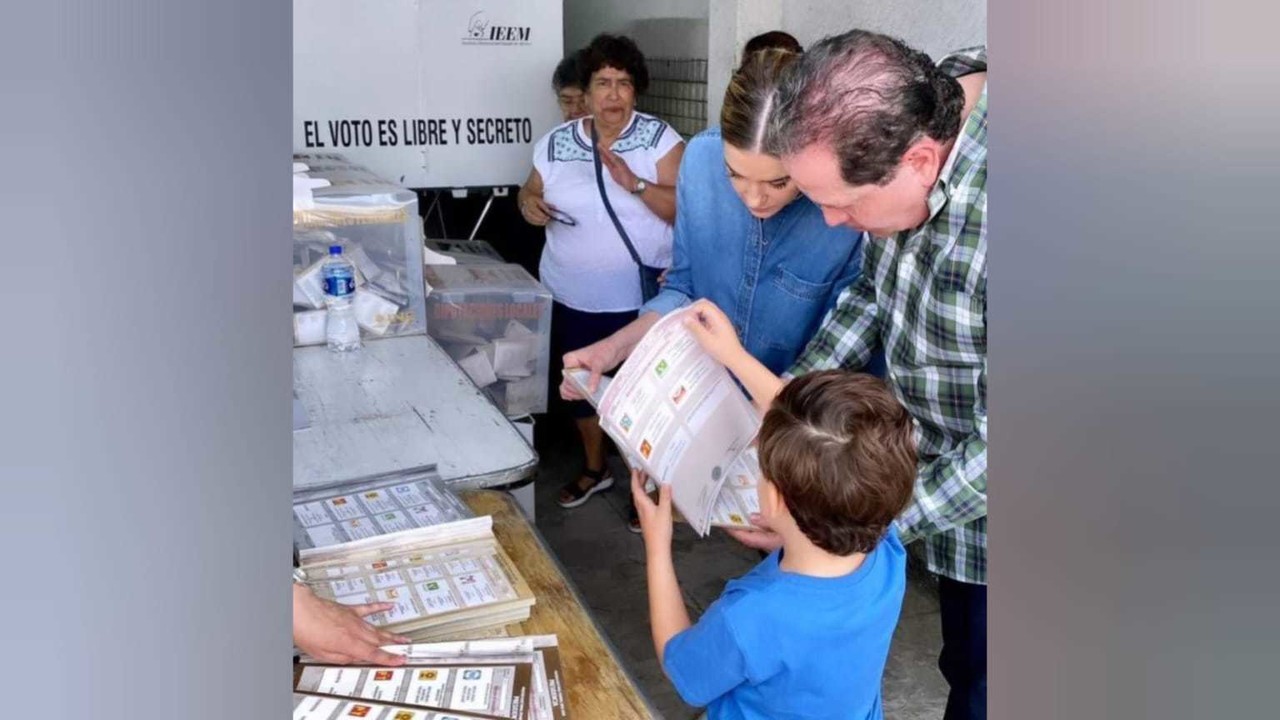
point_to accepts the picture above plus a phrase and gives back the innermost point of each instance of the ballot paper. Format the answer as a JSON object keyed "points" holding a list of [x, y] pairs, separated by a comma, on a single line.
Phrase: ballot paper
{"points": [[679, 416], [442, 579], [548, 701], [497, 689], [479, 367], [309, 327], [309, 286], [329, 518], [373, 312], [320, 707]]}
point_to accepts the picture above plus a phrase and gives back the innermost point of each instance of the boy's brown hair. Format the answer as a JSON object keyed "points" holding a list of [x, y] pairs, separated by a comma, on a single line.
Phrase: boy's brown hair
{"points": [[840, 449]]}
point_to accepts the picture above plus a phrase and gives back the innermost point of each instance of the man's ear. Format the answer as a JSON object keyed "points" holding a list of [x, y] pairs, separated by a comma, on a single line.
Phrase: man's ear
{"points": [[924, 158]]}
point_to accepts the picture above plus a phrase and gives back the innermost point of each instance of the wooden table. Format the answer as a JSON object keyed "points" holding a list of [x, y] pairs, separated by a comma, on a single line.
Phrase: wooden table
{"points": [[599, 688]]}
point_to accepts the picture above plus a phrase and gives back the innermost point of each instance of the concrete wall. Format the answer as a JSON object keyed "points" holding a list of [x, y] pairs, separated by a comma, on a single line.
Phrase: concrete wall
{"points": [[935, 26], [662, 28], [717, 29]]}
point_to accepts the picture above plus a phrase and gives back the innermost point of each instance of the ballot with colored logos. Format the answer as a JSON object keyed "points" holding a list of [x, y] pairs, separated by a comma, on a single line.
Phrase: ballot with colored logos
{"points": [[679, 415]]}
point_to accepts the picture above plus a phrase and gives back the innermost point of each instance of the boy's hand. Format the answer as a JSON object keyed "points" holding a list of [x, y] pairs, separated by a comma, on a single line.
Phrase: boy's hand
{"points": [[655, 519], [760, 537], [714, 331]]}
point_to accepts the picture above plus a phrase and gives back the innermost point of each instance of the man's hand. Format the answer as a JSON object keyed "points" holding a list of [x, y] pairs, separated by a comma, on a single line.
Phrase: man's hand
{"points": [[598, 357], [536, 211], [336, 633], [714, 331], [618, 169], [760, 537], [655, 518]]}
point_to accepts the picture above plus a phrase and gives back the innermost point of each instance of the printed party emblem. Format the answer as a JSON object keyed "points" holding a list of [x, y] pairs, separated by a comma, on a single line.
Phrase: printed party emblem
{"points": [[678, 396], [662, 368], [380, 565], [626, 423], [359, 711], [372, 494], [736, 519], [428, 675], [339, 501], [470, 674], [403, 715], [645, 449], [382, 676]]}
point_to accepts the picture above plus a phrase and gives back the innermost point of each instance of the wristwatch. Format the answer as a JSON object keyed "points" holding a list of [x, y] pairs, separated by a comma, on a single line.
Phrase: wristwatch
{"points": [[640, 186]]}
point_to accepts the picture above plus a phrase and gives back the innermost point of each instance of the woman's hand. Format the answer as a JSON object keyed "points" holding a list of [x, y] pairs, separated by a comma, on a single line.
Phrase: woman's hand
{"points": [[599, 358], [618, 169], [336, 633], [759, 537], [536, 211]]}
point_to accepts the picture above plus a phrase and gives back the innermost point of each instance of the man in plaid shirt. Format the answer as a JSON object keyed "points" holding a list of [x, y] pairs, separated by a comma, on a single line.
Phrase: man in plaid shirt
{"points": [[885, 141]]}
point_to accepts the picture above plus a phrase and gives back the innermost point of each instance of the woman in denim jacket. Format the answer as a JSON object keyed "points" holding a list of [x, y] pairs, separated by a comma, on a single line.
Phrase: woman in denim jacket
{"points": [[744, 238]]}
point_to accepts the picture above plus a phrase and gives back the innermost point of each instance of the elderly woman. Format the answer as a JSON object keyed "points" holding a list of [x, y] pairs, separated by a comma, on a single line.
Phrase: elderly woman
{"points": [[745, 239], [586, 264], [567, 82]]}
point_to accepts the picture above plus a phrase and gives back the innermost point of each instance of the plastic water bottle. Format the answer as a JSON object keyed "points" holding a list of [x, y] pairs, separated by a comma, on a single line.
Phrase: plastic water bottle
{"points": [[340, 328]]}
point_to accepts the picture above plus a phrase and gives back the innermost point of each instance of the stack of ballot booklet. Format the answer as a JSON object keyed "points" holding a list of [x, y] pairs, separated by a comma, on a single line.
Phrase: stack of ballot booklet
{"points": [[517, 678], [414, 544]]}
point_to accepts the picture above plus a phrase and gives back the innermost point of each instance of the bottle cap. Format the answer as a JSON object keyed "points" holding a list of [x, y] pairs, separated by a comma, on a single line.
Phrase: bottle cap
{"points": [[335, 249]]}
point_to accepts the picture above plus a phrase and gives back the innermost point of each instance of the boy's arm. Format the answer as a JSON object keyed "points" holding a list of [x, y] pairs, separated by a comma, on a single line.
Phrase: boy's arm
{"points": [[667, 614], [715, 333]]}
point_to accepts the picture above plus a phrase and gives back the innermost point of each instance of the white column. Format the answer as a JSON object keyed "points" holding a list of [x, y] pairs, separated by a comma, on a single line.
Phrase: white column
{"points": [[731, 23]]}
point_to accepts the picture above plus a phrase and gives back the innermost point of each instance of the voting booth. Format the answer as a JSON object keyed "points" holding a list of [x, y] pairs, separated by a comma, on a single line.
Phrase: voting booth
{"points": [[427, 93]]}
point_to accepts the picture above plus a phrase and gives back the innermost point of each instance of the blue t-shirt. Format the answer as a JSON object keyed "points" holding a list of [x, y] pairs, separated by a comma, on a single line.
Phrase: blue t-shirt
{"points": [[786, 646]]}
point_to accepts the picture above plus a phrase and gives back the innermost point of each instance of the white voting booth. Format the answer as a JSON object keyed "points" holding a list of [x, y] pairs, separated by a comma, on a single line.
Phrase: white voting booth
{"points": [[429, 94]]}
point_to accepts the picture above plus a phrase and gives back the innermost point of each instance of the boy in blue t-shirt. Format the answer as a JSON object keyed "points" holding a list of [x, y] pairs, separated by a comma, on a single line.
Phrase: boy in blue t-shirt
{"points": [[806, 633]]}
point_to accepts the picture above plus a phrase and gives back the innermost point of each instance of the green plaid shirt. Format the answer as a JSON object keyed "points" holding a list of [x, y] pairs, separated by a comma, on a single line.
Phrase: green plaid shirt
{"points": [[923, 295]]}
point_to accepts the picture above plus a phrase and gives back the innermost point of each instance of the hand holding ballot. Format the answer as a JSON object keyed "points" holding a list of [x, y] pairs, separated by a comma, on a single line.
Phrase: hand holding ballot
{"points": [[597, 358], [714, 332], [655, 518], [759, 537]]}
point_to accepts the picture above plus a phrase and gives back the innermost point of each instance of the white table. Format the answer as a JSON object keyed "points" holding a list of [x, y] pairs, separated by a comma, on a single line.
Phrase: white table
{"points": [[399, 404]]}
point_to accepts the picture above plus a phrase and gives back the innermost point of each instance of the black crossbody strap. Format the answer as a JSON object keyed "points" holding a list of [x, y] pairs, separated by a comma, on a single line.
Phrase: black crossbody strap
{"points": [[595, 156]]}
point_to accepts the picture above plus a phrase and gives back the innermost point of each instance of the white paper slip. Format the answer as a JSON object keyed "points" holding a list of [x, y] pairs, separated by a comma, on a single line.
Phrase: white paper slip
{"points": [[478, 367]]}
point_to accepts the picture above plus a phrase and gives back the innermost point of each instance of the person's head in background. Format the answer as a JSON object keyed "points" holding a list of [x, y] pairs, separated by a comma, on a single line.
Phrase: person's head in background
{"points": [[772, 40], [864, 125], [757, 177], [613, 72], [567, 82]]}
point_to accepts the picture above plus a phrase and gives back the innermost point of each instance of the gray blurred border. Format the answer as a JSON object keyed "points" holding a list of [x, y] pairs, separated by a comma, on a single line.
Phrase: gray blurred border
{"points": [[1134, 344], [146, 414]]}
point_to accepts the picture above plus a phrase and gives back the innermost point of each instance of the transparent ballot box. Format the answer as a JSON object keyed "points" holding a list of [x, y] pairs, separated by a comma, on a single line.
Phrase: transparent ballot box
{"points": [[495, 322], [377, 224], [467, 252]]}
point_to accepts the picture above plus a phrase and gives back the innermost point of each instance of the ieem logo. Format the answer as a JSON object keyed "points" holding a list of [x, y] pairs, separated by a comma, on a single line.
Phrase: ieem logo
{"points": [[481, 32]]}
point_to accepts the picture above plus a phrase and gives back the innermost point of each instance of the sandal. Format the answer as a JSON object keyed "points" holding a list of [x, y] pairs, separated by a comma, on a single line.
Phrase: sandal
{"points": [[578, 495]]}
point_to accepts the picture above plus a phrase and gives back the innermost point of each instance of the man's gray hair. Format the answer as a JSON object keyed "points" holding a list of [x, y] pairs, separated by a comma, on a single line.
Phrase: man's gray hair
{"points": [[868, 97]]}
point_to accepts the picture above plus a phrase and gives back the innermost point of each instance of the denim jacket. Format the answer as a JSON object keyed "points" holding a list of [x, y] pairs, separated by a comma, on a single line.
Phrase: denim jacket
{"points": [[774, 278]]}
